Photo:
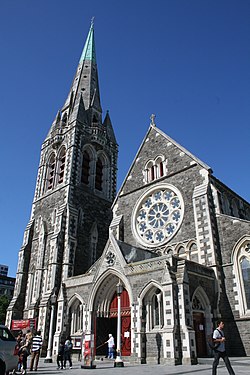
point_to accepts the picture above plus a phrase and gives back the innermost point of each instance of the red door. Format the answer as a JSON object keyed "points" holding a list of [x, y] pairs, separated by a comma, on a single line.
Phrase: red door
{"points": [[125, 321]]}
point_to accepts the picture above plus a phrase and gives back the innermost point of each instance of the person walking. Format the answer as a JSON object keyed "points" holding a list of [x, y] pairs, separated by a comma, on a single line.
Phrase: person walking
{"points": [[17, 349], [220, 351], [35, 350], [111, 345], [67, 352], [60, 356]]}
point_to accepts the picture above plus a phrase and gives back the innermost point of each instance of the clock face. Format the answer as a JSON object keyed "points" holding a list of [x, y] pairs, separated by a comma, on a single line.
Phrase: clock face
{"points": [[158, 215]]}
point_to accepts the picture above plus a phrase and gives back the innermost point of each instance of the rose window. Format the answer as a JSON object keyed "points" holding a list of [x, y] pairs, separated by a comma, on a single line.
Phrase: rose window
{"points": [[158, 215]]}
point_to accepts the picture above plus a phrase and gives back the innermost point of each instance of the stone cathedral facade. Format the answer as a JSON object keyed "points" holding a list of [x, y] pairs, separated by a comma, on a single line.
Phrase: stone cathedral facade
{"points": [[175, 236]]}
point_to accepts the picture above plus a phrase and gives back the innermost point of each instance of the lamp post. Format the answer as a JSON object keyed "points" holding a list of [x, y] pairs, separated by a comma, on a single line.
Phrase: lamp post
{"points": [[53, 300], [118, 361]]}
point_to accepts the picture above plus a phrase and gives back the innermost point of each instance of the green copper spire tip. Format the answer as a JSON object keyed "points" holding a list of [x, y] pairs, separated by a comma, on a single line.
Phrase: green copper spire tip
{"points": [[88, 52]]}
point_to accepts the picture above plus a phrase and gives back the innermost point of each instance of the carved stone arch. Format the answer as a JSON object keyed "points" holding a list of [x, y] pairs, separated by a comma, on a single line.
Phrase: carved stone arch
{"points": [[151, 300], [181, 250], [103, 306], [169, 250], [201, 295], [159, 158], [149, 164], [74, 298], [90, 149], [149, 172], [192, 250], [75, 314], [152, 284], [104, 288]]}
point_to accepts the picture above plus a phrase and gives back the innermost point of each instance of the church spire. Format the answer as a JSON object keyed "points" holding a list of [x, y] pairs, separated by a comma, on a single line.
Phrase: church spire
{"points": [[85, 83], [88, 52]]}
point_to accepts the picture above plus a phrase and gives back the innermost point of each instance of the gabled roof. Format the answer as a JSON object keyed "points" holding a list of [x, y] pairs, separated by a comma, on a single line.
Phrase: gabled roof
{"points": [[151, 128]]}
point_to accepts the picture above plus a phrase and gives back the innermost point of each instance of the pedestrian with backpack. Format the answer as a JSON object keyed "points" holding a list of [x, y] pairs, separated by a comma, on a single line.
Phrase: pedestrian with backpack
{"points": [[220, 349]]}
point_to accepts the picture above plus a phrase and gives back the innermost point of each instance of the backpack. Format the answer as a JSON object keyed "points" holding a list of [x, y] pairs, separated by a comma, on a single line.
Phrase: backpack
{"points": [[213, 345]]}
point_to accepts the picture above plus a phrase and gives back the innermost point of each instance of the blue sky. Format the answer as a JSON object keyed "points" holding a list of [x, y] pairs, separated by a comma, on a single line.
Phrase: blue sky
{"points": [[187, 61]]}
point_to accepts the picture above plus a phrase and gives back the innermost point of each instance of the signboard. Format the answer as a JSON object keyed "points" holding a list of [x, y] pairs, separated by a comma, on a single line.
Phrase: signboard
{"points": [[17, 325]]}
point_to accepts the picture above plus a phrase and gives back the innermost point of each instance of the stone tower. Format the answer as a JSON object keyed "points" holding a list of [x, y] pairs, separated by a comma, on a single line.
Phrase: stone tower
{"points": [[75, 187]]}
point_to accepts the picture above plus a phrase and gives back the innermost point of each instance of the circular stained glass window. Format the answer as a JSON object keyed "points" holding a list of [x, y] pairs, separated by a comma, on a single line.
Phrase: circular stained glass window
{"points": [[158, 215]]}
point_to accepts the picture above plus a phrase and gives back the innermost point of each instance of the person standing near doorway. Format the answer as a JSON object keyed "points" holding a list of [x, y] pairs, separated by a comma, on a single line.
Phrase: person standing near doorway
{"points": [[220, 351], [67, 352], [111, 345]]}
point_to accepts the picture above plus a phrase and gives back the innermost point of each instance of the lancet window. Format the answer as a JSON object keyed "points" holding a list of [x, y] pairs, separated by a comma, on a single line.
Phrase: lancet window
{"points": [[242, 272], [51, 171], [76, 317], [85, 168], [61, 165], [155, 169], [99, 174], [153, 309]]}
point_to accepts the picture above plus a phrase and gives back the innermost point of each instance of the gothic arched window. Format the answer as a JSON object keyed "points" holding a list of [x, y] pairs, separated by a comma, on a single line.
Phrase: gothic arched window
{"points": [[193, 253], [65, 117], [51, 171], [153, 309], [99, 174], [155, 169], [61, 165], [245, 271], [181, 252], [241, 260], [85, 168], [76, 317]]}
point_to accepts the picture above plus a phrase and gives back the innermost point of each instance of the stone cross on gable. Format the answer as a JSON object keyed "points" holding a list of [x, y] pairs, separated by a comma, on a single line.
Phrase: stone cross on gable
{"points": [[152, 118]]}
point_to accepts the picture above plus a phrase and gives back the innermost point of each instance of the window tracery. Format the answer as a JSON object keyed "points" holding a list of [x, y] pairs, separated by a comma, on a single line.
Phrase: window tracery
{"points": [[158, 215]]}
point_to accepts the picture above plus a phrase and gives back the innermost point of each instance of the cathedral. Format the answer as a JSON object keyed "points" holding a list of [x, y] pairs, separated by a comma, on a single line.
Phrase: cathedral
{"points": [[174, 237]]}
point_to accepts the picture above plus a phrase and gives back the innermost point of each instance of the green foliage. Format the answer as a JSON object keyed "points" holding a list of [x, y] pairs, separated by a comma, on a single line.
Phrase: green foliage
{"points": [[4, 303]]}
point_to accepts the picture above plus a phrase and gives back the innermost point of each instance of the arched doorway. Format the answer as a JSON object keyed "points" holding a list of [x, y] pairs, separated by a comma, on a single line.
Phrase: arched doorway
{"points": [[105, 318], [202, 321]]}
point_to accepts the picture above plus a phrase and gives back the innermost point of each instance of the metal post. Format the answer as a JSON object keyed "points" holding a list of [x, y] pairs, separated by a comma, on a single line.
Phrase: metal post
{"points": [[118, 361]]}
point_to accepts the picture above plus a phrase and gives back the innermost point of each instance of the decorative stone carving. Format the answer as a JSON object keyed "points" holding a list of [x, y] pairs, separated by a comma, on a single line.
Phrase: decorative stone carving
{"points": [[110, 258]]}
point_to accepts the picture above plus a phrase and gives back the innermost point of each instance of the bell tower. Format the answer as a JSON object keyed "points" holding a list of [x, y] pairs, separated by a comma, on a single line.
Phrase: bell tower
{"points": [[71, 210]]}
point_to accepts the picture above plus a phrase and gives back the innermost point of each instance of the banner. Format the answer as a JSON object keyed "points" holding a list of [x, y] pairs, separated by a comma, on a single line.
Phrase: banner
{"points": [[17, 325]]}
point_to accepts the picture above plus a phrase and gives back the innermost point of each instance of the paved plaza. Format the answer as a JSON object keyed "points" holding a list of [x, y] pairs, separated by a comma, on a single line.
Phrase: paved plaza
{"points": [[106, 367]]}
